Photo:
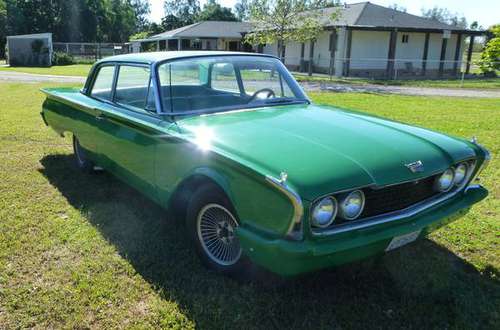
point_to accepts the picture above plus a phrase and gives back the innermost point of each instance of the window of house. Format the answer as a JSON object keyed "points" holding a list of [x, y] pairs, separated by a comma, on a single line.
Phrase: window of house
{"points": [[133, 87], [103, 83], [405, 38]]}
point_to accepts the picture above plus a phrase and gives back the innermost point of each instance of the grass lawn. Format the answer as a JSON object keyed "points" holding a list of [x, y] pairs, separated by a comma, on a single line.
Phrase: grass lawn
{"points": [[64, 70], [86, 251]]}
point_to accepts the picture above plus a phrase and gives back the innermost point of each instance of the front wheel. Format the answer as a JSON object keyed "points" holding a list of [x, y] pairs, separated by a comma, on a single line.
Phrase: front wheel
{"points": [[211, 225]]}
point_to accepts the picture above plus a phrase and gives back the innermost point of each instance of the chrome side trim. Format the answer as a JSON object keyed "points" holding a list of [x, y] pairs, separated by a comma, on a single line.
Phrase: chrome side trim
{"points": [[298, 208], [486, 161]]}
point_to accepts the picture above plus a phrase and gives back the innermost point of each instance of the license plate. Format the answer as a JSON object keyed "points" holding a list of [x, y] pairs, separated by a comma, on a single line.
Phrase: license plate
{"points": [[399, 241]]}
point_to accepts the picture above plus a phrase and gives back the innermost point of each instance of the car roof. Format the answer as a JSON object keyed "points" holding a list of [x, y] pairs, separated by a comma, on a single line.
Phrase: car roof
{"points": [[154, 57]]}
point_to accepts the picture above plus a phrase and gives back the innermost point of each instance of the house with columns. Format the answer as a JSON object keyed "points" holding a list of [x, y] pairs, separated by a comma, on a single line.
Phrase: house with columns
{"points": [[365, 40], [205, 35], [368, 40]]}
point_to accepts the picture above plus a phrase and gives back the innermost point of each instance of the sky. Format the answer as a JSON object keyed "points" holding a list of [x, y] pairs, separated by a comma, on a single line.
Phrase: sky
{"points": [[486, 12]]}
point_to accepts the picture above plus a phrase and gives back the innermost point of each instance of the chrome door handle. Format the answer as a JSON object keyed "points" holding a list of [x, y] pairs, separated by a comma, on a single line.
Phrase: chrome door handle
{"points": [[100, 117]]}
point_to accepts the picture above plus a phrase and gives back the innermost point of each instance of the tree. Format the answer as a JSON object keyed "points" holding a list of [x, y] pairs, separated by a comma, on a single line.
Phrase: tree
{"points": [[242, 10], [180, 13], [490, 58], [3, 27], [77, 20], [397, 7], [213, 11], [282, 21], [142, 9], [443, 15]]}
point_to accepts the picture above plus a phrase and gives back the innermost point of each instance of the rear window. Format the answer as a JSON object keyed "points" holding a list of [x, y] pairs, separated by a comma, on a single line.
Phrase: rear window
{"points": [[133, 87], [103, 83]]}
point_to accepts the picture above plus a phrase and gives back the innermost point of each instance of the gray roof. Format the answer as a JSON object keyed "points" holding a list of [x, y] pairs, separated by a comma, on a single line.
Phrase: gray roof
{"points": [[206, 29], [366, 14]]}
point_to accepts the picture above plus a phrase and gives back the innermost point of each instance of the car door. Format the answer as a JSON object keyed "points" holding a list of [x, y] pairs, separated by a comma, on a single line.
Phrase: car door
{"points": [[86, 129], [128, 129]]}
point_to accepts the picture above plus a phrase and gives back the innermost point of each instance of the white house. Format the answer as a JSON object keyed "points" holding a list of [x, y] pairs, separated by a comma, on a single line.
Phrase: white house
{"points": [[365, 40], [371, 40], [206, 35]]}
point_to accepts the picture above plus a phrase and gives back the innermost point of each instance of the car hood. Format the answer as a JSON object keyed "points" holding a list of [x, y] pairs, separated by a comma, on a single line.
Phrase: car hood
{"points": [[324, 149]]}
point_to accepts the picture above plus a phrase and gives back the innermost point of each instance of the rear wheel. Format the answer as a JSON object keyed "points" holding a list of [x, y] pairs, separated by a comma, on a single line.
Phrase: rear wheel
{"points": [[211, 224], [81, 158]]}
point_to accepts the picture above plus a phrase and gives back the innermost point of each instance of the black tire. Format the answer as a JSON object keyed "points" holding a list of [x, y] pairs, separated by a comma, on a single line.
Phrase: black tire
{"points": [[206, 204], [81, 159]]}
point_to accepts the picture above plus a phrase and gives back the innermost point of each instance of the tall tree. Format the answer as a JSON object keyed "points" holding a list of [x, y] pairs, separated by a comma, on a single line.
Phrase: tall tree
{"points": [[3, 27], [213, 11], [242, 10], [179, 13], [142, 9], [443, 15], [282, 21]]}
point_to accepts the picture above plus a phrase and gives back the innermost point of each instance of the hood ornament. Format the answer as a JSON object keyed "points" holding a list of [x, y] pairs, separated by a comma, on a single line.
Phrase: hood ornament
{"points": [[416, 167]]}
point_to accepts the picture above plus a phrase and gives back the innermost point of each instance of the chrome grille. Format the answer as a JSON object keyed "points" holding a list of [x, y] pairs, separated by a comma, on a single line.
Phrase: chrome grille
{"points": [[397, 197]]}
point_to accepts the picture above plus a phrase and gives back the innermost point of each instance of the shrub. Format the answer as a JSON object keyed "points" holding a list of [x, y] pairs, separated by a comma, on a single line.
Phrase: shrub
{"points": [[60, 58], [490, 58]]}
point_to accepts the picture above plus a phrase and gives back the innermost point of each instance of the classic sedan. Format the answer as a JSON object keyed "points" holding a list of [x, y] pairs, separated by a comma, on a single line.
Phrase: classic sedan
{"points": [[258, 173]]}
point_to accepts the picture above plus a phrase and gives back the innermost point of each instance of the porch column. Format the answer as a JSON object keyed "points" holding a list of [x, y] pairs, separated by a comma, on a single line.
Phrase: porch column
{"points": [[302, 54], [391, 55], [457, 54], [469, 54], [311, 57], [347, 60], [443, 56], [426, 53], [179, 44], [333, 48], [157, 45]]}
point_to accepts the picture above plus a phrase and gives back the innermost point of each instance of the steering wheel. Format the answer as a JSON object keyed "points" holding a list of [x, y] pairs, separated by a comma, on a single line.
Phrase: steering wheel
{"points": [[269, 91]]}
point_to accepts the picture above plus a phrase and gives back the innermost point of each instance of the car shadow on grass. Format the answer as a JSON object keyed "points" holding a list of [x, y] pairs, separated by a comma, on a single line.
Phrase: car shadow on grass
{"points": [[419, 286]]}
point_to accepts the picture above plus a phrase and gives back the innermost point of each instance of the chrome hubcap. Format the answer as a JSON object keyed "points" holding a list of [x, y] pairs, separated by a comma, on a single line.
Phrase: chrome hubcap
{"points": [[216, 232]]}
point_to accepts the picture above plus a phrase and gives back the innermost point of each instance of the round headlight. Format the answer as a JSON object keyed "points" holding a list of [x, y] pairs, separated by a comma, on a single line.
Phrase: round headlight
{"points": [[324, 212], [460, 173], [445, 181], [352, 205]]}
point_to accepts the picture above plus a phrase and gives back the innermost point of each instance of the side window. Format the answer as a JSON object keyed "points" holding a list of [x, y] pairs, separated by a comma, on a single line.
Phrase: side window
{"points": [[224, 78], [103, 83], [132, 86]]}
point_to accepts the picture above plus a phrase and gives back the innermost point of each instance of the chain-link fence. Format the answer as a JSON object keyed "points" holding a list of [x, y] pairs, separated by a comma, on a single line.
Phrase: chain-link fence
{"points": [[89, 52], [376, 68]]}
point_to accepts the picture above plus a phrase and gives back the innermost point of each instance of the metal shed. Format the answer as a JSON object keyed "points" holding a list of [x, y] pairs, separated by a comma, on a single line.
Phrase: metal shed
{"points": [[29, 50]]}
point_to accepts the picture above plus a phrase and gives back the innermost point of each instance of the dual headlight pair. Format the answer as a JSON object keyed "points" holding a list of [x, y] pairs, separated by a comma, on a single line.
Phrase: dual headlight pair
{"points": [[453, 177], [349, 207]]}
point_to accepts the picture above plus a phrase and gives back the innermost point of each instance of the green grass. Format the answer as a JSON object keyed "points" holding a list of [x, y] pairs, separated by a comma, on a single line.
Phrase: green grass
{"points": [[86, 251], [64, 70]]}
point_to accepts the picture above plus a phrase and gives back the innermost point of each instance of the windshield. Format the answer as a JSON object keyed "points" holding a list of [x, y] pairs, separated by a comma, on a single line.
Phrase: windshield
{"points": [[221, 83]]}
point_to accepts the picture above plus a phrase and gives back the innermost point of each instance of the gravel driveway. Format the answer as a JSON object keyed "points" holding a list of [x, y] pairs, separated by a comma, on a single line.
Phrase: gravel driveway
{"points": [[308, 86], [12, 76]]}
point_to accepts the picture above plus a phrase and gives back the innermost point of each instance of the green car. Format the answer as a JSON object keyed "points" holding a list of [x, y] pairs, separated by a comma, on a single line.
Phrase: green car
{"points": [[259, 174]]}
